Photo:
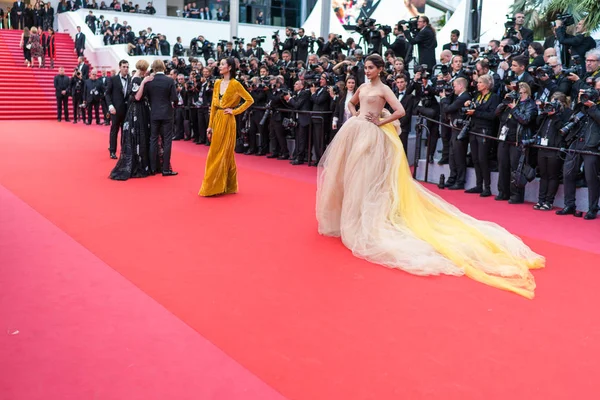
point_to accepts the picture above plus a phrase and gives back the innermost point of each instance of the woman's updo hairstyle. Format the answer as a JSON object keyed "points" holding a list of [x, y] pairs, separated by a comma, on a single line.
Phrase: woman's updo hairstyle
{"points": [[232, 63], [378, 62]]}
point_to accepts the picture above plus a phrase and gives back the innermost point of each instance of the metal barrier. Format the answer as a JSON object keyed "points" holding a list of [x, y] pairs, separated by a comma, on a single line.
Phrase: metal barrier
{"points": [[423, 126]]}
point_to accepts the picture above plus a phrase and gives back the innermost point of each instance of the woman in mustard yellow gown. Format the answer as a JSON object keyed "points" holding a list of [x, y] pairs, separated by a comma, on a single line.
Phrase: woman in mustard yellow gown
{"points": [[220, 175], [366, 195]]}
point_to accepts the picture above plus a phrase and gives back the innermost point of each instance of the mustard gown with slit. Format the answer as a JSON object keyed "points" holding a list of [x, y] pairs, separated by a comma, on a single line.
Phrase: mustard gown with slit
{"points": [[366, 195], [220, 175]]}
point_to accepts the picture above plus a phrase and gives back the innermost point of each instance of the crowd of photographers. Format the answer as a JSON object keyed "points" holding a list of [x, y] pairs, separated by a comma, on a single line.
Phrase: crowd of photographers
{"points": [[506, 107]]}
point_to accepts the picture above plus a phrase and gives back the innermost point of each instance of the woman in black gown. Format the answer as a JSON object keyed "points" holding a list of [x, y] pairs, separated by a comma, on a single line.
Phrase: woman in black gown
{"points": [[133, 161]]}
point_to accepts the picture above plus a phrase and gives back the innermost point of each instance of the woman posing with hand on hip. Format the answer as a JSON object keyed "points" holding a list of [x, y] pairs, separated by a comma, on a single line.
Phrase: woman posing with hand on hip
{"points": [[366, 195], [220, 175]]}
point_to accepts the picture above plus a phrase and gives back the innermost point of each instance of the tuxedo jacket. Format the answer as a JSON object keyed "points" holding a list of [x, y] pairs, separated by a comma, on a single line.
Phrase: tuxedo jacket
{"points": [[462, 50], [114, 93], [408, 103], [161, 94], [79, 40], [85, 71]]}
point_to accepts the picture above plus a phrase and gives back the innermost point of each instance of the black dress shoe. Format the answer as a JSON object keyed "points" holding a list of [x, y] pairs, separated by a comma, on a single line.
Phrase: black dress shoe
{"points": [[249, 152], [443, 161], [474, 190], [113, 156], [284, 157], [591, 214], [514, 200], [501, 197], [273, 155], [567, 211], [486, 193], [449, 183], [169, 173], [297, 162], [456, 186]]}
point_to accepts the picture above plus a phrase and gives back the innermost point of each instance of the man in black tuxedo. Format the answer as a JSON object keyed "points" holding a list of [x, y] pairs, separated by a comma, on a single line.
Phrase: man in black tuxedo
{"points": [[79, 42], [407, 102], [83, 68], [116, 99], [61, 90], [18, 9], [161, 94], [456, 47], [458, 148], [523, 34], [301, 102], [425, 41], [399, 47]]}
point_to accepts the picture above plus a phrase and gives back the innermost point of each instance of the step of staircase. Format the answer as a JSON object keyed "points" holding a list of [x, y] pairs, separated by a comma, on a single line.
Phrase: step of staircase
{"points": [[28, 93]]}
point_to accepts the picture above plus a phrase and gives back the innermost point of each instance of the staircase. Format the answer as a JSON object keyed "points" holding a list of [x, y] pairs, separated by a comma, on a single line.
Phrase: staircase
{"points": [[28, 93]]}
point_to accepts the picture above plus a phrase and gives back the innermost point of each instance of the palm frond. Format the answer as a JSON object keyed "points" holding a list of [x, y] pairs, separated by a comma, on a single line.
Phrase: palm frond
{"points": [[588, 9]]}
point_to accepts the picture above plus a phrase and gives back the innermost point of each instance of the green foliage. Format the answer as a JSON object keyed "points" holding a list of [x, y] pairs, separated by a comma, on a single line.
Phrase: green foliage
{"points": [[539, 13]]}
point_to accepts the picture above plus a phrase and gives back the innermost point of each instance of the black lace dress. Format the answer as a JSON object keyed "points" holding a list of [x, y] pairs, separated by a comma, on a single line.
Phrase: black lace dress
{"points": [[134, 159]]}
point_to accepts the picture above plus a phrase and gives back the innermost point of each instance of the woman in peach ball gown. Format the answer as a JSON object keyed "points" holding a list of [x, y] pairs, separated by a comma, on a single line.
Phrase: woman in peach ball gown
{"points": [[366, 196]]}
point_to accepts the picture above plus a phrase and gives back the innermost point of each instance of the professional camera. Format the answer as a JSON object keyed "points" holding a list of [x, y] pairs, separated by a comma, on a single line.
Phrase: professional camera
{"points": [[237, 41], [275, 35], [509, 25], [515, 49], [543, 71], [468, 72], [567, 19], [465, 125], [512, 96], [444, 69], [588, 95], [289, 123], [386, 29], [443, 87], [411, 24], [267, 114], [471, 106], [190, 85], [552, 106], [422, 68], [336, 89], [570, 128], [259, 40], [492, 58]]}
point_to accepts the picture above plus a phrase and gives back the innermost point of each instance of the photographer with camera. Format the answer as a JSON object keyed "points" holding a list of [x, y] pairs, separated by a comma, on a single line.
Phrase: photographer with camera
{"points": [[482, 113], [93, 91], [551, 78], [300, 101], [400, 46], [517, 114], [457, 157], [425, 40], [179, 112], [583, 133], [592, 67], [203, 101], [553, 116], [581, 43], [259, 91], [516, 31], [76, 90], [276, 129], [334, 44]]}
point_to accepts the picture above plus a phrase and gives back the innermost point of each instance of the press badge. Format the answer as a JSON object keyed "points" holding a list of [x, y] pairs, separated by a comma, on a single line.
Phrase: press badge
{"points": [[503, 133], [544, 141]]}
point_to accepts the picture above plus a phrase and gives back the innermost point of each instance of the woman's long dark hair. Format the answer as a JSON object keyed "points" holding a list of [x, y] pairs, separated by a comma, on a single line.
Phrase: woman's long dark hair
{"points": [[232, 63]]}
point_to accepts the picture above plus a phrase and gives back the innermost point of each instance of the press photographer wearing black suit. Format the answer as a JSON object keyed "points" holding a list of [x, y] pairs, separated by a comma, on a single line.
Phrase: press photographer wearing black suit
{"points": [[203, 100], [458, 148], [553, 116], [61, 91], [161, 95], [482, 112], [93, 93], [425, 40], [552, 79], [77, 90], [259, 92], [116, 98], [517, 114], [400, 46], [301, 102], [276, 130], [407, 101], [517, 32], [583, 134], [580, 44]]}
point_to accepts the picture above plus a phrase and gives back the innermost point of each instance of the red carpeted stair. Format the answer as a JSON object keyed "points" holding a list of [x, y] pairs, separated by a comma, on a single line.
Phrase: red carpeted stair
{"points": [[28, 93]]}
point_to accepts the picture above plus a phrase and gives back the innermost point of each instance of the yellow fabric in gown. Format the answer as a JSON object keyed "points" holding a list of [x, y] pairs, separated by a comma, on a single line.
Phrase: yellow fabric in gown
{"points": [[220, 175], [366, 195], [444, 230]]}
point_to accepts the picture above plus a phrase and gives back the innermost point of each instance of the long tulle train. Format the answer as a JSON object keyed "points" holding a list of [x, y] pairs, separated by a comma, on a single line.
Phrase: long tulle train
{"points": [[366, 195]]}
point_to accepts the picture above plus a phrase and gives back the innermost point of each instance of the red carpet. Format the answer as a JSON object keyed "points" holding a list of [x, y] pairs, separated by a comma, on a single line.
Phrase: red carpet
{"points": [[250, 273]]}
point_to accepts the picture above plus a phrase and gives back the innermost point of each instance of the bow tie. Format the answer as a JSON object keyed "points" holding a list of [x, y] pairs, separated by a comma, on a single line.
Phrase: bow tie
{"points": [[401, 94]]}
